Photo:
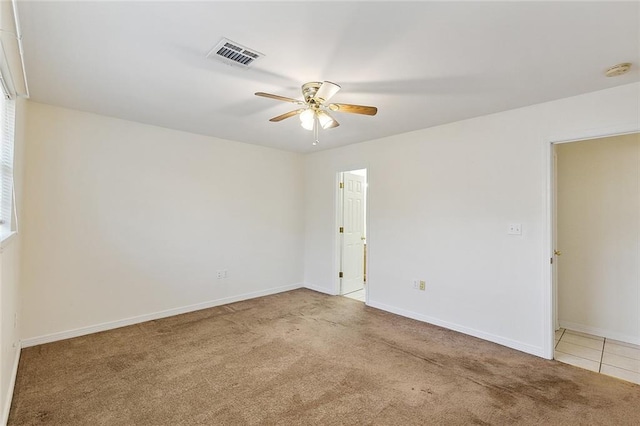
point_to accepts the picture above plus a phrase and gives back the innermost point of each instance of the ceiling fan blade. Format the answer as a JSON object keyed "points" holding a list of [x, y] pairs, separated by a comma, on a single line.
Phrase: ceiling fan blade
{"points": [[286, 115], [326, 91], [278, 97], [354, 109]]}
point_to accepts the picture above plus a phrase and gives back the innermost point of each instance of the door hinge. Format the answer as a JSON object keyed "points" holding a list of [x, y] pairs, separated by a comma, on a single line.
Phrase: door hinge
{"points": [[340, 275], [551, 260], [341, 185], [341, 230]]}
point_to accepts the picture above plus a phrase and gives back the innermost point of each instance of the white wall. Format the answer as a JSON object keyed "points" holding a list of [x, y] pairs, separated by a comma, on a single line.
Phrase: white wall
{"points": [[598, 234], [126, 220], [440, 201], [10, 278]]}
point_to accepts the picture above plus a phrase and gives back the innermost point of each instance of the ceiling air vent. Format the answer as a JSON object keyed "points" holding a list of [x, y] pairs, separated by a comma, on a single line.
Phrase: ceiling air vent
{"points": [[235, 54]]}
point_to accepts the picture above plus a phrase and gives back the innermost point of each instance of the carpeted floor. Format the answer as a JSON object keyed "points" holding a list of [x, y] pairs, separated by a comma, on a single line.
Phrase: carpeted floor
{"points": [[302, 357]]}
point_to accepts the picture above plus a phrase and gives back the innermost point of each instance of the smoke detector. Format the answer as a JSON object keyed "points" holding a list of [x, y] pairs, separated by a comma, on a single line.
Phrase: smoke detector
{"points": [[619, 69], [235, 54]]}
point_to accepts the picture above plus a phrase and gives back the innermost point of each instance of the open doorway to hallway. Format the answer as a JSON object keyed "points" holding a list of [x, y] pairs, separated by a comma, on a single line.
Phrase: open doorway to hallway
{"points": [[596, 261], [352, 233]]}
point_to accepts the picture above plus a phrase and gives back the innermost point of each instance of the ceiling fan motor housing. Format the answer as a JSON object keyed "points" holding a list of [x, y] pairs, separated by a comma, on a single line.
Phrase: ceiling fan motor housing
{"points": [[309, 91]]}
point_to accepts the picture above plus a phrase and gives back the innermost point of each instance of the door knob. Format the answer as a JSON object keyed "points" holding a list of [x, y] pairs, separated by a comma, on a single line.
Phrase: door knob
{"points": [[557, 252]]}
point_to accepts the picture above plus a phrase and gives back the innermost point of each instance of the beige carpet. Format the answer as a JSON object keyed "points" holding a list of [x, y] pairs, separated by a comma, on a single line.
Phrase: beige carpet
{"points": [[305, 358]]}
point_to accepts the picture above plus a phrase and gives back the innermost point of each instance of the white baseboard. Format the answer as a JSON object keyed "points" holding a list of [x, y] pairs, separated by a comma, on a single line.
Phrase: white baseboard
{"points": [[514, 344], [600, 332], [62, 335], [12, 385], [320, 289]]}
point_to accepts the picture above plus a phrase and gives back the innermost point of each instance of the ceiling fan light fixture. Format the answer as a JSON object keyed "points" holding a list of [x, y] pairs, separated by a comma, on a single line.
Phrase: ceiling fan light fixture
{"points": [[325, 120], [307, 119]]}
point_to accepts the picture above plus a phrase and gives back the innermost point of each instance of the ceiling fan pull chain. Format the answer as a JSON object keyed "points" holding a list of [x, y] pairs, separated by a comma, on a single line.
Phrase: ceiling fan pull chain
{"points": [[315, 130]]}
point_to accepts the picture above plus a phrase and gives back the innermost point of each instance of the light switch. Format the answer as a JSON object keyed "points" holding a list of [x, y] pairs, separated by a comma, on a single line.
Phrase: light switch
{"points": [[515, 229]]}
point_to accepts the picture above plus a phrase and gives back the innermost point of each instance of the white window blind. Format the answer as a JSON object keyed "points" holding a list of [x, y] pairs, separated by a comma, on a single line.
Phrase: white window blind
{"points": [[7, 118]]}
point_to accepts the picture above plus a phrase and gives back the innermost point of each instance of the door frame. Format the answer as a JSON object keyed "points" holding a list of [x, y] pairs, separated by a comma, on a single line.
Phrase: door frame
{"points": [[338, 222], [550, 284]]}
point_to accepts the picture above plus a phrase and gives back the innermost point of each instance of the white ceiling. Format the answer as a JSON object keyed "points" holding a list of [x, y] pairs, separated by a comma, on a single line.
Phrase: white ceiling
{"points": [[421, 63]]}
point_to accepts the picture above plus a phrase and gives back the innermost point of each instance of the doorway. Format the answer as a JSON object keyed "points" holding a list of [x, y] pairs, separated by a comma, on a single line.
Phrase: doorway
{"points": [[596, 254], [352, 233]]}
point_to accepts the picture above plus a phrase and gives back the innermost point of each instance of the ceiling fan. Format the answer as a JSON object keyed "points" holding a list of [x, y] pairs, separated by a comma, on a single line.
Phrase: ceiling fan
{"points": [[315, 111]]}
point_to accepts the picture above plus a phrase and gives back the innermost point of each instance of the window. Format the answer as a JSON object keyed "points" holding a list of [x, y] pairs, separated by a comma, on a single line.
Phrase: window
{"points": [[7, 120]]}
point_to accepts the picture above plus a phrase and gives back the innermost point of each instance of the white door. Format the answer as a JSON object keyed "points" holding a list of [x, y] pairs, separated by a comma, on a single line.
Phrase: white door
{"points": [[353, 233]]}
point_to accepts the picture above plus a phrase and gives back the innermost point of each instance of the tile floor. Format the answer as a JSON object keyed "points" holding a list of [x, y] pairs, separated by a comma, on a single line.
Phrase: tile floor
{"points": [[606, 356], [357, 295]]}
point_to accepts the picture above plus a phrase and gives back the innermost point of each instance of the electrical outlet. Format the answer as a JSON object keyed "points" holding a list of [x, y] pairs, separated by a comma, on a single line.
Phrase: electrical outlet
{"points": [[515, 229], [423, 285], [220, 275]]}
